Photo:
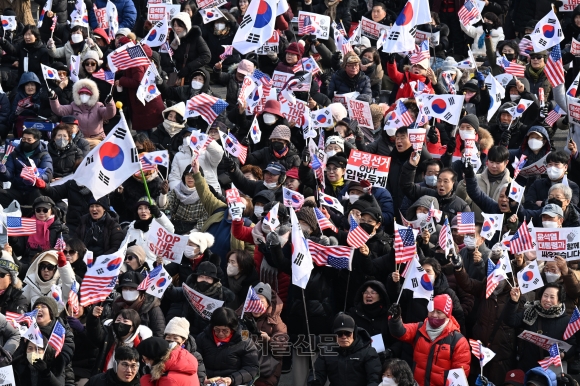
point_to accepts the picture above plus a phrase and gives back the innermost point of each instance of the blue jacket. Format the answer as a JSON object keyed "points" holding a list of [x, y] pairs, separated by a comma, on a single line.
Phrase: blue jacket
{"points": [[27, 77], [125, 9], [549, 375], [41, 159]]}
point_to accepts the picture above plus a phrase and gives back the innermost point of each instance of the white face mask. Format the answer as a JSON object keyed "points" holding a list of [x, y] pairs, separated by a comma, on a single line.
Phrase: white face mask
{"points": [[353, 198], [189, 251], [76, 38], [130, 295], [269, 119], [196, 85], [84, 98], [550, 224], [469, 242], [388, 382], [421, 216], [232, 270], [432, 279], [464, 134], [391, 132], [270, 185], [514, 97], [220, 26], [535, 144], [431, 180], [554, 173], [552, 277], [258, 210], [330, 153]]}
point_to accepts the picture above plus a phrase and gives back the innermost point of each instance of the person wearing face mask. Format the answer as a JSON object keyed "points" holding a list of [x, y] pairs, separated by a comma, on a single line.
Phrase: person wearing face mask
{"points": [[148, 306], [475, 254], [274, 177], [508, 131], [29, 49], [467, 127], [78, 44], [507, 48], [281, 150], [548, 314], [166, 133], [475, 92], [552, 216], [89, 112], [78, 139], [557, 166], [199, 84], [519, 88], [270, 118], [334, 144], [432, 169], [36, 366], [436, 332], [232, 81], [177, 330], [124, 329], [65, 155], [535, 146], [30, 101], [241, 274], [491, 30], [396, 372], [418, 213], [489, 323], [220, 33]]}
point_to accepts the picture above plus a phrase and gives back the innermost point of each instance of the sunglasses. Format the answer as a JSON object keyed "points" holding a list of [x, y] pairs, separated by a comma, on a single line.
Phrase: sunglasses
{"points": [[69, 252], [46, 267], [130, 257], [340, 334], [537, 57], [43, 210], [91, 64]]}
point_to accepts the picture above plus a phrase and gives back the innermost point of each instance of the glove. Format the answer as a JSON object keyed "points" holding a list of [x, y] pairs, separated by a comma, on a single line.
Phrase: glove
{"points": [[451, 145], [457, 262], [40, 184], [75, 324], [40, 366], [236, 211], [245, 141], [391, 58], [305, 155], [480, 79], [482, 381], [61, 259], [273, 56], [324, 240], [2, 168], [268, 274], [487, 28], [395, 311], [51, 94], [273, 239], [175, 43], [154, 209], [108, 99], [50, 44], [544, 110], [229, 164], [90, 42], [468, 171], [158, 80], [505, 137], [357, 131], [432, 135], [565, 379], [558, 4]]}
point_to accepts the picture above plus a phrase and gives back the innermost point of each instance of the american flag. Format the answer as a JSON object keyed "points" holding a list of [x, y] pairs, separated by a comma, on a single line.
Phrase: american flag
{"points": [[554, 358], [9, 149], [357, 237], [266, 81], [450, 82], [306, 29], [465, 223], [526, 46], [443, 234], [339, 257], [573, 324], [147, 165], [60, 244], [340, 27], [521, 241], [229, 50], [53, 26], [520, 165], [27, 318], [209, 107], [96, 289], [491, 284], [19, 226], [243, 154], [56, 340], [105, 75], [130, 57], [404, 245], [28, 174], [253, 302], [307, 64], [554, 70], [323, 222], [149, 279], [554, 115], [476, 349], [511, 67], [73, 297], [467, 13], [405, 115], [421, 52]]}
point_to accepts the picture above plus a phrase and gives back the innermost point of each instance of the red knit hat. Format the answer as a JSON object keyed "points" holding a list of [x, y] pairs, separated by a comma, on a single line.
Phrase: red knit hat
{"points": [[295, 48], [292, 173], [444, 304]]}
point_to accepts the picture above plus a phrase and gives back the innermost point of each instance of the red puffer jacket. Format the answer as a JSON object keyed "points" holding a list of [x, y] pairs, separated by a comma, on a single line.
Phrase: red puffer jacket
{"points": [[433, 359], [177, 368], [403, 79]]}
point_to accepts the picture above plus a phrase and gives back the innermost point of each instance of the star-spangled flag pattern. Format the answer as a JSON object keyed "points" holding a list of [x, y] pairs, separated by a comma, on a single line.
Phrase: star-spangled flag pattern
{"points": [[228, 51], [209, 107], [339, 257], [526, 47], [511, 67], [404, 244], [465, 223], [421, 52], [554, 115], [554, 358], [405, 115], [147, 165], [323, 222], [468, 13], [20, 226], [264, 79], [573, 324], [56, 340], [521, 241], [131, 56], [253, 302], [105, 75], [60, 244], [357, 236], [554, 70], [73, 298], [492, 279]]}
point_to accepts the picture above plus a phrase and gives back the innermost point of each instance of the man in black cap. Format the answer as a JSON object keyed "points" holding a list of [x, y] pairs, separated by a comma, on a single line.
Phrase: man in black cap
{"points": [[99, 229], [354, 344], [274, 177]]}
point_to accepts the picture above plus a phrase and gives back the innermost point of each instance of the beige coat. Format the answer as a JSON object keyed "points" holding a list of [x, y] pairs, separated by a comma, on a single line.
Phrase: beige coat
{"points": [[21, 8], [491, 189]]}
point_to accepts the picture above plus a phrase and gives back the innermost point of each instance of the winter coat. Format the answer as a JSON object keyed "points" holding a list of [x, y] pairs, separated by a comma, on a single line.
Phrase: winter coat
{"points": [[197, 56], [66, 51], [36, 52], [191, 346], [478, 36], [531, 157], [110, 378], [432, 359], [541, 81], [176, 368], [489, 188], [136, 236], [237, 359], [41, 159], [144, 116], [210, 158], [251, 188], [90, 115], [29, 105], [110, 234], [228, 79], [127, 14], [77, 197], [10, 336], [13, 300], [538, 191], [149, 312], [215, 42], [181, 271], [21, 8], [357, 364], [240, 287], [4, 115], [341, 83], [23, 248], [133, 190], [529, 117], [402, 81], [264, 156], [64, 160]]}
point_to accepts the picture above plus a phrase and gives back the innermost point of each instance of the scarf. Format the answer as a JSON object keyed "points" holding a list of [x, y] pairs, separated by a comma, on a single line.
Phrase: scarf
{"points": [[236, 284], [331, 5], [338, 183], [172, 128], [186, 195], [219, 341], [41, 239], [281, 154], [435, 332], [534, 309], [481, 41], [535, 74]]}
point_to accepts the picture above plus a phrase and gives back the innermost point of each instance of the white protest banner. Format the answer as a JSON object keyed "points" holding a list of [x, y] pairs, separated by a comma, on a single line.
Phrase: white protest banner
{"points": [[203, 305], [421, 36], [210, 3], [456, 377], [101, 16], [543, 341], [344, 98], [165, 244], [417, 138], [575, 47], [157, 12], [537, 168], [569, 5], [320, 24], [574, 110], [279, 79], [361, 112], [296, 111], [552, 242], [271, 45], [366, 166], [372, 29]]}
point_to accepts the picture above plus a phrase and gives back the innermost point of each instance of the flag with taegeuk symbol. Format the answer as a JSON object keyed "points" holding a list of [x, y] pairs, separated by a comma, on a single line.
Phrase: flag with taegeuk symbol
{"points": [[482, 353]]}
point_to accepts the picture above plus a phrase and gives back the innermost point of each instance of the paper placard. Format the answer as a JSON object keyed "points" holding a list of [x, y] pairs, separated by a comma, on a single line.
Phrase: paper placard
{"points": [[537, 168], [569, 5], [543, 341], [366, 166], [378, 343], [279, 79], [7, 376], [158, 11], [297, 112], [372, 29], [344, 98], [361, 112], [271, 45], [320, 24], [552, 242], [165, 244]]}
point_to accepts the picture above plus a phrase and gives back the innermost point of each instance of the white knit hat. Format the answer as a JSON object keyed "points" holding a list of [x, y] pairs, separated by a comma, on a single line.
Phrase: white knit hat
{"points": [[178, 326], [202, 239], [338, 111]]}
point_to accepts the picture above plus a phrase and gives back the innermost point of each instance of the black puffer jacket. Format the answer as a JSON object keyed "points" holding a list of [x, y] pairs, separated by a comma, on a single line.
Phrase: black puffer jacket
{"points": [[228, 79], [341, 83], [36, 52], [237, 359], [215, 42], [198, 54], [13, 300], [191, 346], [133, 190], [81, 143], [110, 378], [149, 312], [263, 157], [78, 200], [64, 160], [355, 365], [109, 235]]}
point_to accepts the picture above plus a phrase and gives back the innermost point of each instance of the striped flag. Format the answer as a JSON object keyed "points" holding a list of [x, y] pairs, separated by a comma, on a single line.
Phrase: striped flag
{"points": [[19, 226], [521, 241], [73, 298], [554, 70], [147, 165], [445, 237], [421, 52], [526, 46], [573, 324], [28, 174], [323, 222], [307, 64], [465, 223], [105, 75], [475, 348], [554, 115], [405, 116], [520, 163], [209, 107], [60, 244], [229, 50], [156, 282], [253, 302], [53, 26], [262, 78], [101, 278], [511, 67], [127, 56], [306, 29], [357, 237], [554, 358], [9, 149], [468, 13], [404, 244], [339, 257], [56, 340], [495, 274]]}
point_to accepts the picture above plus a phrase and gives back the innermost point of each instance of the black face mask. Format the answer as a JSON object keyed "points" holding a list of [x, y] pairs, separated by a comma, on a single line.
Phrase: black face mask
{"points": [[121, 330], [368, 228], [28, 147], [203, 285], [555, 201], [504, 126], [509, 57], [278, 146], [488, 25]]}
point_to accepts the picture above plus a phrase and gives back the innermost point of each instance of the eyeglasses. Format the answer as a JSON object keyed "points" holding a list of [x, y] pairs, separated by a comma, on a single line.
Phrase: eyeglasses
{"points": [[43, 210], [62, 73], [130, 366], [69, 252], [91, 64], [340, 334], [536, 57], [130, 257], [221, 331], [47, 267]]}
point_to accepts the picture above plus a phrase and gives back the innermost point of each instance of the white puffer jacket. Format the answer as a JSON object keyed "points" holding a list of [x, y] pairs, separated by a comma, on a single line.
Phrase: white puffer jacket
{"points": [[208, 161], [476, 32]]}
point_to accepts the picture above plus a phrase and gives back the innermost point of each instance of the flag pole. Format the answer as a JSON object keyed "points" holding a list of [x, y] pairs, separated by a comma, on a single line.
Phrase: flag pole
{"points": [[561, 365], [308, 331], [346, 294]]}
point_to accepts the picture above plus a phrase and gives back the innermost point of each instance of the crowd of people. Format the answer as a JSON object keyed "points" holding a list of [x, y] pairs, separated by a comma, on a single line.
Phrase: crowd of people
{"points": [[355, 323]]}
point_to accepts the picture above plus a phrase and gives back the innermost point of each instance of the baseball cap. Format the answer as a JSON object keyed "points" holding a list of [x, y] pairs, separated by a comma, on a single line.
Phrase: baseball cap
{"points": [[552, 210], [374, 212], [275, 168], [69, 119], [343, 322]]}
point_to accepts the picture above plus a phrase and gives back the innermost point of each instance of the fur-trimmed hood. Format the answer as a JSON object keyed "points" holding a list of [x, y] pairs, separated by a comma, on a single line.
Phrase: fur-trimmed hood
{"points": [[91, 86], [485, 139], [177, 362]]}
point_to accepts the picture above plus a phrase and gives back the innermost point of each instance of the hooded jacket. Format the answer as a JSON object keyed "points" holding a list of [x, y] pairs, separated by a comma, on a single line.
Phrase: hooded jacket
{"points": [[64, 160], [530, 116], [176, 367], [32, 105], [127, 14], [90, 115], [110, 234], [517, 129], [402, 79], [41, 159], [193, 53], [524, 149], [149, 312], [133, 190], [264, 156]]}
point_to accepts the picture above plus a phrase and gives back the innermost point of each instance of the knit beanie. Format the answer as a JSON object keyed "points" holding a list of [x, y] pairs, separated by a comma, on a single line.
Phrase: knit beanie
{"points": [[178, 326], [153, 348], [376, 114], [296, 49], [444, 304], [50, 303], [281, 132], [265, 290], [138, 251], [8, 266], [306, 214], [471, 120], [338, 111], [202, 239]]}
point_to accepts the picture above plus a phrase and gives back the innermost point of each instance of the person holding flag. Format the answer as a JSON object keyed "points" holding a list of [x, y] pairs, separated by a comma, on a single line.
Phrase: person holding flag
{"points": [[547, 314], [64, 153], [439, 329], [78, 44], [534, 147], [166, 133], [420, 71], [351, 78], [12, 298], [32, 46], [490, 29], [281, 150]]}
